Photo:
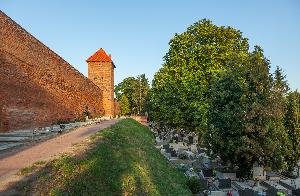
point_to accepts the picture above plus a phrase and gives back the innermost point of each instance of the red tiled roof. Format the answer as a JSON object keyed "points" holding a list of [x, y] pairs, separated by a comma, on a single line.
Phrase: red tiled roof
{"points": [[100, 56]]}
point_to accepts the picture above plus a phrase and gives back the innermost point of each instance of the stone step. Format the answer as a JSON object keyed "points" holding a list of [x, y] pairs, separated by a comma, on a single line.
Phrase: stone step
{"points": [[14, 134], [24, 131], [14, 139], [56, 130], [45, 136], [43, 132], [4, 146]]}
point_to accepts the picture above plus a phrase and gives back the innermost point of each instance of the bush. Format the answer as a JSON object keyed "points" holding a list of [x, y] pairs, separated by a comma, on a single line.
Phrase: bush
{"points": [[183, 156], [61, 121], [194, 185]]}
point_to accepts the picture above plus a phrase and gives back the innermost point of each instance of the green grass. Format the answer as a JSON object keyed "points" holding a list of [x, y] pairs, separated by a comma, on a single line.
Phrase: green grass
{"points": [[33, 168], [27, 170], [122, 161]]}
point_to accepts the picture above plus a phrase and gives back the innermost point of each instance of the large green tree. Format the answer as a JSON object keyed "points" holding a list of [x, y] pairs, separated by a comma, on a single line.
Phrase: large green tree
{"points": [[286, 106], [211, 83], [136, 90], [293, 129], [180, 89], [242, 127], [279, 91]]}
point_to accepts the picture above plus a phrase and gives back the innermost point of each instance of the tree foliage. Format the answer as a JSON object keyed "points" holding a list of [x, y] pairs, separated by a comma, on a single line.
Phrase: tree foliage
{"points": [[180, 89], [124, 105], [136, 90], [211, 83], [279, 89], [286, 106], [292, 126], [242, 129], [280, 83]]}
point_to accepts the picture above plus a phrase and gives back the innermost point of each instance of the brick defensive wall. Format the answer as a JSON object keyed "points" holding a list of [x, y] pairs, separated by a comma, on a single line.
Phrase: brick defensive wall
{"points": [[37, 86]]}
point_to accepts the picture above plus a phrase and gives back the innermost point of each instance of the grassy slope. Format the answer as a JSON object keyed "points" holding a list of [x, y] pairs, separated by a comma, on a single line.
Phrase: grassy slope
{"points": [[123, 161]]}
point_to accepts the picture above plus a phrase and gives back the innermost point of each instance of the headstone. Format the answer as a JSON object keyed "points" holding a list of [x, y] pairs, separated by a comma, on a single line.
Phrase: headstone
{"points": [[194, 148], [175, 137], [48, 129], [180, 138], [272, 176], [200, 150], [204, 183], [182, 156], [190, 139], [224, 183], [173, 153], [191, 174], [226, 175], [166, 146], [56, 128], [208, 173], [259, 173], [296, 192], [168, 150]]}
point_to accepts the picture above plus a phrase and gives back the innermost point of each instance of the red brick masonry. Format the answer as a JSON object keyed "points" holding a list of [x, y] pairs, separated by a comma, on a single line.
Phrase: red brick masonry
{"points": [[38, 87]]}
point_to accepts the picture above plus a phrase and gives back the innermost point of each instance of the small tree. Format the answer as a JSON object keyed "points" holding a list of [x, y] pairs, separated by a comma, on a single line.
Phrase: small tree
{"points": [[85, 112], [135, 89], [279, 92], [280, 82], [124, 105], [194, 185]]}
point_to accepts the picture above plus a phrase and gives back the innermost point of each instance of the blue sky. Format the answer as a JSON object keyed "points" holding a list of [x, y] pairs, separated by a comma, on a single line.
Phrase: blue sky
{"points": [[137, 33]]}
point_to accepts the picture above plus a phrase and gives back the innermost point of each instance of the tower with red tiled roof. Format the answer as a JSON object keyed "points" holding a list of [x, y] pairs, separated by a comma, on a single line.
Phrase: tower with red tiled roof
{"points": [[101, 72]]}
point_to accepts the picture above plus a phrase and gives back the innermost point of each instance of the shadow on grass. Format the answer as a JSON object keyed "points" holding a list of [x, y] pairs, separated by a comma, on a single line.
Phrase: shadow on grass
{"points": [[122, 161]]}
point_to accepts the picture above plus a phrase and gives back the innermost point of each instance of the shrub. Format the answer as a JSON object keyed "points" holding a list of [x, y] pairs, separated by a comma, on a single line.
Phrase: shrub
{"points": [[194, 185]]}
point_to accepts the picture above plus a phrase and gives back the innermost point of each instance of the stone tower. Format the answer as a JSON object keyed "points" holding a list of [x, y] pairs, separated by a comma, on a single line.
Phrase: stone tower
{"points": [[101, 72]]}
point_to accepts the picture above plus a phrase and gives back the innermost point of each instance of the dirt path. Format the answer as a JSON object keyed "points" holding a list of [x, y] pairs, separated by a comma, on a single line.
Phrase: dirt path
{"points": [[11, 164]]}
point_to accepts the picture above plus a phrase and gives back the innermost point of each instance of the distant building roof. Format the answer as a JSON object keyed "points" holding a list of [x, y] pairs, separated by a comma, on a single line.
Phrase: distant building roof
{"points": [[100, 56]]}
